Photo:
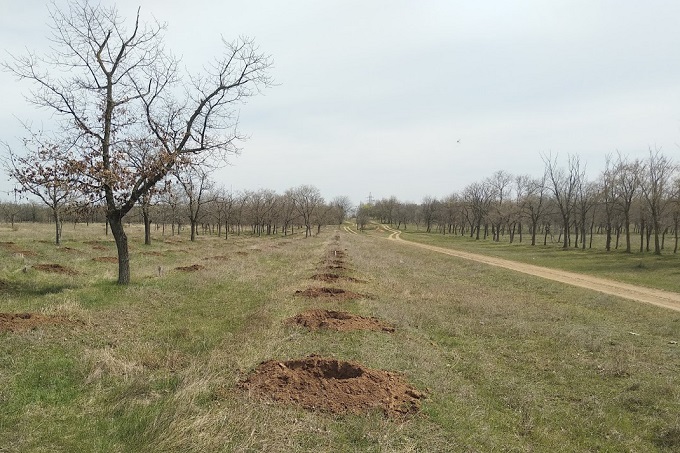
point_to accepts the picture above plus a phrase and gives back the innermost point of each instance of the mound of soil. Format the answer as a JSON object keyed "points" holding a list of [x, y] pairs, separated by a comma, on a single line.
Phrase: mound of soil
{"points": [[55, 269], [338, 320], [25, 252], [326, 277], [318, 383], [69, 249], [335, 293], [242, 253], [217, 258], [329, 277], [336, 254], [99, 247], [192, 268], [152, 253], [106, 259], [21, 322]]}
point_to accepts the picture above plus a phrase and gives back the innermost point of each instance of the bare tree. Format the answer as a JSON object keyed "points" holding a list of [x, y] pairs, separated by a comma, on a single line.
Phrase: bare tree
{"points": [[499, 185], [563, 185], [477, 197], [114, 88], [308, 201], [656, 186], [342, 207], [196, 184], [428, 211], [607, 190], [626, 188]]}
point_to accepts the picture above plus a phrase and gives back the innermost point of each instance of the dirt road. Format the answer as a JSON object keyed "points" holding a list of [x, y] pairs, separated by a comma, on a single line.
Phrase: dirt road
{"points": [[657, 297]]}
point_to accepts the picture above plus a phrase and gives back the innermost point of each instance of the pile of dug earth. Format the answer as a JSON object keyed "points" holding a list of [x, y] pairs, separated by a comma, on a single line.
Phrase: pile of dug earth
{"points": [[328, 384]]}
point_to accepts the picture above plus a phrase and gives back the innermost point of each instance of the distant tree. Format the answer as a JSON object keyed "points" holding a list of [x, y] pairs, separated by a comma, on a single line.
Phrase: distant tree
{"points": [[564, 186], [656, 189], [477, 197], [342, 208], [287, 211], [42, 173], [363, 215], [627, 176], [197, 186], [428, 210], [308, 201], [115, 89], [500, 187]]}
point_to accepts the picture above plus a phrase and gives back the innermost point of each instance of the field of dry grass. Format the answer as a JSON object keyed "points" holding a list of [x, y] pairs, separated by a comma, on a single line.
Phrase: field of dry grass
{"points": [[507, 362]]}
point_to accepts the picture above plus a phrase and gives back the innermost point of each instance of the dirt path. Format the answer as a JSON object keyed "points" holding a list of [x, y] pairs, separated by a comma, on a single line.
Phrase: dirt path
{"points": [[657, 297]]}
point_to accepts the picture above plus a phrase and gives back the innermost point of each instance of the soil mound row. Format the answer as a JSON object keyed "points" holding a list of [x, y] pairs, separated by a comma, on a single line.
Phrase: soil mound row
{"points": [[338, 320], [340, 387]]}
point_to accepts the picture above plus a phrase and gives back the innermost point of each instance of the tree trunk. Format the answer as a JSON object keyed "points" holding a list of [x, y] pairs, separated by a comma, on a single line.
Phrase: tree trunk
{"points": [[57, 227], [193, 230], [147, 227], [627, 219], [119, 235], [642, 237], [608, 245]]}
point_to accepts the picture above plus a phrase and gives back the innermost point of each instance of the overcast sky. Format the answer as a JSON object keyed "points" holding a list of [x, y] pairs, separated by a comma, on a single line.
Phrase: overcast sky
{"points": [[416, 98]]}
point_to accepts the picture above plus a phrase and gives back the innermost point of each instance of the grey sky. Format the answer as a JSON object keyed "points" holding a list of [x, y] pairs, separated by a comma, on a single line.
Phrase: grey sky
{"points": [[374, 95]]}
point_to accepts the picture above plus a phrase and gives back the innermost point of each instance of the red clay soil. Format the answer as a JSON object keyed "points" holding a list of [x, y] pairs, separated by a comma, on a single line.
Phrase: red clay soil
{"points": [[21, 322], [338, 320], [335, 293], [192, 268], [318, 383], [106, 259], [55, 269]]}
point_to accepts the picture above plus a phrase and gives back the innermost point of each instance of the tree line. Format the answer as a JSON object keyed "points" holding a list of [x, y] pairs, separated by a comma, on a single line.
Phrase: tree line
{"points": [[202, 209], [628, 197]]}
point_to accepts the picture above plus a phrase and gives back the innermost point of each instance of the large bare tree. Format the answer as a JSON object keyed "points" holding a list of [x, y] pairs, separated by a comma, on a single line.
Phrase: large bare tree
{"points": [[114, 88]]}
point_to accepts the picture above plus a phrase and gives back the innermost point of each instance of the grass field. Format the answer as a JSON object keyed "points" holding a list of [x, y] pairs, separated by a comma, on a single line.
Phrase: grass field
{"points": [[508, 362]]}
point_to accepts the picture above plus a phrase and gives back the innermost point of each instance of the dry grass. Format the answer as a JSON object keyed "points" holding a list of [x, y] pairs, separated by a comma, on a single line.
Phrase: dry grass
{"points": [[509, 362]]}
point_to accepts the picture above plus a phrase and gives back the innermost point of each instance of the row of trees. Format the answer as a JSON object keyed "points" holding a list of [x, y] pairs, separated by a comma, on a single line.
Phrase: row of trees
{"points": [[204, 209], [629, 196]]}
